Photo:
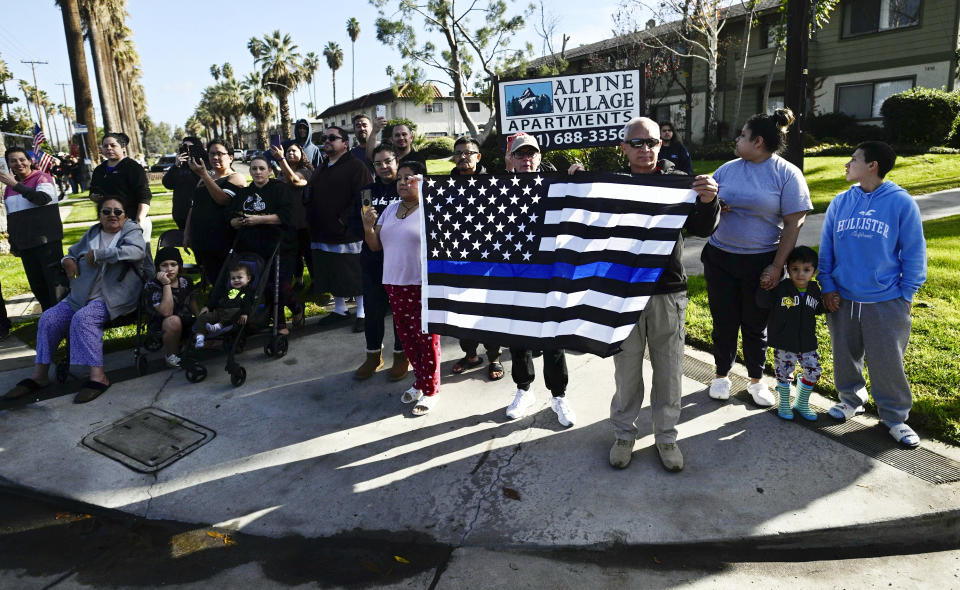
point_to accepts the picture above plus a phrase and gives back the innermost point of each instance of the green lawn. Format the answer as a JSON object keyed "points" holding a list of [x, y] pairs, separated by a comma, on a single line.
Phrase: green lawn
{"points": [[931, 359], [919, 175], [85, 210]]}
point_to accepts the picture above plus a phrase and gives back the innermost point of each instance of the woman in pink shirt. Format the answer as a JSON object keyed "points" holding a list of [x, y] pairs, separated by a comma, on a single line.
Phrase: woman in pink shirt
{"points": [[397, 233]]}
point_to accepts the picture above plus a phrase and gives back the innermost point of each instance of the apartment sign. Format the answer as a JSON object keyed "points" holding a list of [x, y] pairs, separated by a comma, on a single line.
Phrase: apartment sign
{"points": [[565, 112]]}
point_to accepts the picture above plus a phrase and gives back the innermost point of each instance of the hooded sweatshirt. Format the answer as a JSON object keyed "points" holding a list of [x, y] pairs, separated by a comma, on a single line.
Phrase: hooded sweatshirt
{"points": [[309, 148], [872, 247]]}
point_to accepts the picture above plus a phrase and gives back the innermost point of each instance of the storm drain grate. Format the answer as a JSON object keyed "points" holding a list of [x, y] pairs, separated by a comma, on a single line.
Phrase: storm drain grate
{"points": [[149, 440], [872, 441]]}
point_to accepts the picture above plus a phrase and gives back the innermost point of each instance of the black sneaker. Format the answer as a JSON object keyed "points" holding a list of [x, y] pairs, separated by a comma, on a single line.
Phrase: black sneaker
{"points": [[359, 325], [333, 319]]}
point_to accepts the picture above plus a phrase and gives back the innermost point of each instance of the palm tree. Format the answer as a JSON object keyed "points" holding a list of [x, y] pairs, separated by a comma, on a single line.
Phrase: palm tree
{"points": [[73, 30], [29, 98], [258, 104], [311, 63], [353, 29], [280, 64], [334, 56], [96, 21], [5, 74]]}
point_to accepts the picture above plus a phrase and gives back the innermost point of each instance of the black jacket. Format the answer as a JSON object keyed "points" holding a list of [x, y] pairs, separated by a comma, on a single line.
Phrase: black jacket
{"points": [[183, 182], [701, 222], [792, 325]]}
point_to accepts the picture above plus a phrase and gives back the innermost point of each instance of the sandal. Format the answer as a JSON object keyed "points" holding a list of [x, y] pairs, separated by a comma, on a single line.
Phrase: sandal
{"points": [[411, 395], [905, 435], [90, 391], [844, 411], [465, 363], [25, 387], [495, 367], [425, 404]]}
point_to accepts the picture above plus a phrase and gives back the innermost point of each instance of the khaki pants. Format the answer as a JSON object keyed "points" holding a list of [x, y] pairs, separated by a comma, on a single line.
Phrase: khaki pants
{"points": [[661, 328]]}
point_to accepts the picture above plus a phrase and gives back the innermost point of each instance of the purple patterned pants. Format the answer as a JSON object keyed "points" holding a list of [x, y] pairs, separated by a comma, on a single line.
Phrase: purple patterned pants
{"points": [[86, 333]]}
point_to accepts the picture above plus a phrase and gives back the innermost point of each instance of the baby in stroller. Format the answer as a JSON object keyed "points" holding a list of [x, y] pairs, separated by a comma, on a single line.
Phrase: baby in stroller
{"points": [[171, 303], [234, 307]]}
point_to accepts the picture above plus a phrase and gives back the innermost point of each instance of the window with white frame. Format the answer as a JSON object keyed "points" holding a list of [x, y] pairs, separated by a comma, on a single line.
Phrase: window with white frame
{"points": [[861, 17], [863, 100], [436, 107], [473, 107]]}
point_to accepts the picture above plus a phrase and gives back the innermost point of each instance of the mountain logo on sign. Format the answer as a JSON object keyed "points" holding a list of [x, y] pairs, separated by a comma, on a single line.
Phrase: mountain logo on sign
{"points": [[528, 99]]}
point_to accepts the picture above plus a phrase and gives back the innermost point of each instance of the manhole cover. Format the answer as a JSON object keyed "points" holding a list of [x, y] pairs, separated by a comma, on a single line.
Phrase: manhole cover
{"points": [[149, 440]]}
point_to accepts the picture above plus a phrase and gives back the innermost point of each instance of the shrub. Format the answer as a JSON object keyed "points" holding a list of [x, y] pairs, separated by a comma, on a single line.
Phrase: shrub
{"points": [[829, 124], [953, 140], [920, 115], [436, 147], [712, 151]]}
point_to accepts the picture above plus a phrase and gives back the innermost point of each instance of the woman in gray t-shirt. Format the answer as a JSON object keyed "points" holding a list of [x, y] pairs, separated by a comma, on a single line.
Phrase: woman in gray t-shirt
{"points": [[764, 202]]}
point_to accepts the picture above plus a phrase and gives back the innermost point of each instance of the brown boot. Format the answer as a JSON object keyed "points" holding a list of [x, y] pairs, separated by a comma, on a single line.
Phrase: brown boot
{"points": [[369, 367], [400, 366]]}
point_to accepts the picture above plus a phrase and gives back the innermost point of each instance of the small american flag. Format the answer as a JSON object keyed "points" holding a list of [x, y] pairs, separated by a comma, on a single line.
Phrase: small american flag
{"points": [[541, 261], [43, 160]]}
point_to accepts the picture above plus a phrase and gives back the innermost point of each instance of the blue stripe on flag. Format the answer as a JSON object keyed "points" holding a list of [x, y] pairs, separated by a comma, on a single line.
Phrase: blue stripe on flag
{"points": [[605, 270]]}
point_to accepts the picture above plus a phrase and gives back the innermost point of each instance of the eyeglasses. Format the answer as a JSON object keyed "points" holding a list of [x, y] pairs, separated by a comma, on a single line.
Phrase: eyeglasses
{"points": [[332, 137], [650, 142], [384, 163], [117, 212], [466, 154], [218, 154], [525, 154]]}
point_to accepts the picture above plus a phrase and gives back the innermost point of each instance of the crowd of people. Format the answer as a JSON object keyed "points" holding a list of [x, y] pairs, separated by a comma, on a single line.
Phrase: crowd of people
{"points": [[352, 216]]}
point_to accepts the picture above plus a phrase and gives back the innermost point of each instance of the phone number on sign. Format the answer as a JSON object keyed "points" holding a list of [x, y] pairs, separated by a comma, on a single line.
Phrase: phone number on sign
{"points": [[559, 139]]}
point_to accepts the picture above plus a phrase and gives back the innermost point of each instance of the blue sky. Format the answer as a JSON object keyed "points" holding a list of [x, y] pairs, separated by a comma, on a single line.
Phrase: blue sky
{"points": [[179, 40]]}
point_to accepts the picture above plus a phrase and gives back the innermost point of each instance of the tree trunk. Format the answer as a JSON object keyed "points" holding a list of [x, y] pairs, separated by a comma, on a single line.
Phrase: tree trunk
{"points": [[103, 68], [456, 64], [711, 99], [128, 115], [334, 75], [743, 69], [769, 82], [285, 112], [261, 135], [688, 102], [73, 30], [353, 68]]}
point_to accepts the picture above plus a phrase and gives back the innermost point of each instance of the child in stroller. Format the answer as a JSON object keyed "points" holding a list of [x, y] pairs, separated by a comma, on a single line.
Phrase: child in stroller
{"points": [[235, 306], [171, 304]]}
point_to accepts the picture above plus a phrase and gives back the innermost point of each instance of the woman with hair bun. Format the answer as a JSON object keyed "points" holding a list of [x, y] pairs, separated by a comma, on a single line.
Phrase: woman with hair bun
{"points": [[121, 177], [764, 200]]}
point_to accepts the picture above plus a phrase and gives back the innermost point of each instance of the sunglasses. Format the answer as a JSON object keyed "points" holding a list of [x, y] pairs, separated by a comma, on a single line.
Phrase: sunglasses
{"points": [[332, 137], [650, 142], [117, 212]]}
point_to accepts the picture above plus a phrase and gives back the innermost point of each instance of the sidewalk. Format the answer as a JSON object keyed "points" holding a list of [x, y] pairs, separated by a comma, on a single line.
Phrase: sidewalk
{"points": [[303, 449]]}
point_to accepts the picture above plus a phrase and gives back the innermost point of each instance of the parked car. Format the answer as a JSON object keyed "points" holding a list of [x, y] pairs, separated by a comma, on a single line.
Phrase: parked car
{"points": [[164, 163], [237, 154], [249, 155]]}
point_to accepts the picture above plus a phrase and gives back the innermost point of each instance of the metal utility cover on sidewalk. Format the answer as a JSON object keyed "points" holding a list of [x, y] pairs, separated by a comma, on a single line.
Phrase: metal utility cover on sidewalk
{"points": [[149, 440]]}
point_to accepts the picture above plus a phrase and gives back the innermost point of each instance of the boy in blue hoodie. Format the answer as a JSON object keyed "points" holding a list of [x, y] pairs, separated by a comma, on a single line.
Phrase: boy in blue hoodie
{"points": [[873, 259]]}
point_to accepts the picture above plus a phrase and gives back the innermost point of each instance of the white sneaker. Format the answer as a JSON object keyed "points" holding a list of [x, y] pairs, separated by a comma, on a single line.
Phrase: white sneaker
{"points": [[565, 413], [198, 341], [762, 396], [521, 403], [173, 361], [720, 388]]}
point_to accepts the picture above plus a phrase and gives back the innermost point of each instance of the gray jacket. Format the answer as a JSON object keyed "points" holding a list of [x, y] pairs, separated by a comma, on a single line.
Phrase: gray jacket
{"points": [[125, 264]]}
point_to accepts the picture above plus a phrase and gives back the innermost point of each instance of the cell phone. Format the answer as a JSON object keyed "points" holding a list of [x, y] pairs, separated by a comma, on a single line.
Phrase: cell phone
{"points": [[365, 199], [382, 111]]}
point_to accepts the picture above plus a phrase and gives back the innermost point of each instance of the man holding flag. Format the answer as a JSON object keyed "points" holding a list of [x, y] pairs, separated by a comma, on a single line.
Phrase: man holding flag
{"points": [[661, 325]]}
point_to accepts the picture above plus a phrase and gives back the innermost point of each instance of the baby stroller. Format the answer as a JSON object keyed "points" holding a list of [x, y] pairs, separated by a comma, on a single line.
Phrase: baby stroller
{"points": [[234, 341]]}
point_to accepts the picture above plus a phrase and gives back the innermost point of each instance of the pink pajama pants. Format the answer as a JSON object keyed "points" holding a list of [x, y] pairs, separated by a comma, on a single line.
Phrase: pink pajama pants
{"points": [[422, 350]]}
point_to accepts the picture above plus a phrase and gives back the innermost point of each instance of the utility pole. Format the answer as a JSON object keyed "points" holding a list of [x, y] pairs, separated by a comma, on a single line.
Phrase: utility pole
{"points": [[36, 90], [66, 112], [795, 94]]}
